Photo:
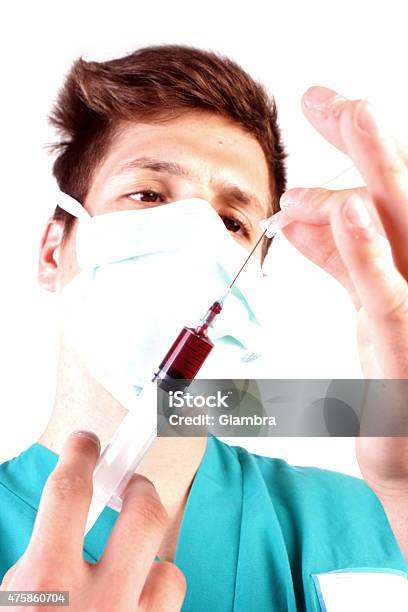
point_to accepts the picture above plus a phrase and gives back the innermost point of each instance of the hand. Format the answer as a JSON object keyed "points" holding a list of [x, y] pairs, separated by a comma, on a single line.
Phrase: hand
{"points": [[126, 577], [356, 252], [360, 236]]}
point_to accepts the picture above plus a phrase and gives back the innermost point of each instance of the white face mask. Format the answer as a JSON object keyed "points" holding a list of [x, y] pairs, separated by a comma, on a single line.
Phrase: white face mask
{"points": [[147, 273]]}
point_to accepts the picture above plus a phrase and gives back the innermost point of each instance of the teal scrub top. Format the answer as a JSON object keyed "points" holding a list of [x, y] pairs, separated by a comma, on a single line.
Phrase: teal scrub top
{"points": [[254, 532]]}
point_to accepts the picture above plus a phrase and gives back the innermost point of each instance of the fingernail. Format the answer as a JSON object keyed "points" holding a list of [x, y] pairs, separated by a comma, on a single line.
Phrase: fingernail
{"points": [[318, 98], [139, 482], [90, 435], [142, 480], [365, 118], [292, 198], [356, 213]]}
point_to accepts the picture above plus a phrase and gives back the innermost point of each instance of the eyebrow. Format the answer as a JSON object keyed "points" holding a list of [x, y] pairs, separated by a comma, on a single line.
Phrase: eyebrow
{"points": [[227, 189], [155, 165]]}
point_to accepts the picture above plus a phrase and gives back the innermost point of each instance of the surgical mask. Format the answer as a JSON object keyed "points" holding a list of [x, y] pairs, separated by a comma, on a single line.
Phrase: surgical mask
{"points": [[146, 273]]}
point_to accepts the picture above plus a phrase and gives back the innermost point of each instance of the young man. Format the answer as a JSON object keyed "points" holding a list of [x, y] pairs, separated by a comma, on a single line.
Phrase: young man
{"points": [[163, 125]]}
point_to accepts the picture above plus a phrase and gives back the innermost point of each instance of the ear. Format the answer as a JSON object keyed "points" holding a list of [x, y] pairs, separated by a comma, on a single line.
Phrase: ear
{"points": [[49, 254]]}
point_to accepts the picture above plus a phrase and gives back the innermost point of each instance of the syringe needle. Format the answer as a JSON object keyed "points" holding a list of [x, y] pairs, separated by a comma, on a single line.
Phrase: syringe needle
{"points": [[270, 226], [245, 262]]}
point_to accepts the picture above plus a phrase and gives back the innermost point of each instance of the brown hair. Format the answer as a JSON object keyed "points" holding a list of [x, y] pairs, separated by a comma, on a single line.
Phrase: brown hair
{"points": [[156, 82]]}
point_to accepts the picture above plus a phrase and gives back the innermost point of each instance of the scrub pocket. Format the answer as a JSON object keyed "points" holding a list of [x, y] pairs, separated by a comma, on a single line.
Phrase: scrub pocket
{"points": [[363, 589]]}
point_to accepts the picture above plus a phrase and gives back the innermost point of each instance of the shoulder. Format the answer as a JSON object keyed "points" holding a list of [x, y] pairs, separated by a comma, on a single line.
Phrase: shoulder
{"points": [[336, 520], [309, 493], [276, 471]]}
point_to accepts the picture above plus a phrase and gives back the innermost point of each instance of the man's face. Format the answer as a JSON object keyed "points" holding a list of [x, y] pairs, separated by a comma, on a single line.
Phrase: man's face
{"points": [[197, 155]]}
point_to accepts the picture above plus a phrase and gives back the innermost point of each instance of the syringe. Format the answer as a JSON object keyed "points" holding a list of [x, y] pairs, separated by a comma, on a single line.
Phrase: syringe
{"points": [[138, 430], [273, 224]]}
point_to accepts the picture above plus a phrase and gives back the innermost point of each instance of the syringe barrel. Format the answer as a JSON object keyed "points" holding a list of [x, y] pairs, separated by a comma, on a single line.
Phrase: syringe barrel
{"points": [[137, 432], [184, 359]]}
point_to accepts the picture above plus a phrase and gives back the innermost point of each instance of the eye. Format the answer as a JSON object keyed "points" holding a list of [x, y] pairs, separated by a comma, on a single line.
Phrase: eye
{"points": [[235, 225], [147, 196]]}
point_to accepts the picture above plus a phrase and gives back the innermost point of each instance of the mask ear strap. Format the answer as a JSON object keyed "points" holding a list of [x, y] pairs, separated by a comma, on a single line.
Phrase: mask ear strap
{"points": [[72, 206]]}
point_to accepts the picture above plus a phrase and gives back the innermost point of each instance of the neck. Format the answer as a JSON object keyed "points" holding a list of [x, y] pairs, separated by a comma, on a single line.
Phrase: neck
{"points": [[82, 403]]}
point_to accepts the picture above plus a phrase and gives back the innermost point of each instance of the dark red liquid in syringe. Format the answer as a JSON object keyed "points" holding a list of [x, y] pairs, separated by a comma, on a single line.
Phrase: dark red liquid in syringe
{"points": [[187, 353]]}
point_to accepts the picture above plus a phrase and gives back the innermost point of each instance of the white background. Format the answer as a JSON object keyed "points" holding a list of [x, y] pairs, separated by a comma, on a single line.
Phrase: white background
{"points": [[358, 49]]}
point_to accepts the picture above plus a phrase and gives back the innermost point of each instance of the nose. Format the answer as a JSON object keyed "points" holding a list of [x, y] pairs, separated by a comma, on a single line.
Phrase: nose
{"points": [[205, 192]]}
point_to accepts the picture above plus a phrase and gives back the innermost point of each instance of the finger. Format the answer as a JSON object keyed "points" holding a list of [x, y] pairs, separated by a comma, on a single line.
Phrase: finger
{"points": [[385, 174], [321, 106], [60, 523], [377, 158], [316, 243], [165, 588], [311, 234], [381, 288], [136, 536], [314, 205]]}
